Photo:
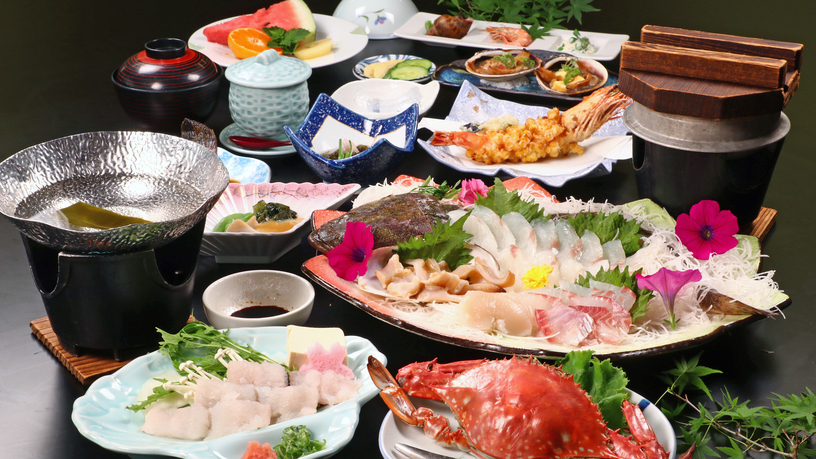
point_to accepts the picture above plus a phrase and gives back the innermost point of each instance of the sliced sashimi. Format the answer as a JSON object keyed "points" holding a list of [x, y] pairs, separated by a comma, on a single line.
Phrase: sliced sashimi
{"points": [[614, 253], [564, 325], [611, 321], [591, 249], [569, 244], [523, 232], [490, 312], [546, 237], [504, 237]]}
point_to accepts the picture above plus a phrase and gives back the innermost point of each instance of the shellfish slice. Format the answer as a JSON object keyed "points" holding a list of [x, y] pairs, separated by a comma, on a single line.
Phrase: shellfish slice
{"points": [[729, 306]]}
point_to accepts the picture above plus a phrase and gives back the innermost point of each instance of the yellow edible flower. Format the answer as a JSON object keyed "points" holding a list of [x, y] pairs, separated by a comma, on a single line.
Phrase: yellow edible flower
{"points": [[537, 277]]}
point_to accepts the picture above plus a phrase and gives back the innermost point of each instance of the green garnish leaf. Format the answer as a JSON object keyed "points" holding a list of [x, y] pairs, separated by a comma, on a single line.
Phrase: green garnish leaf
{"points": [[272, 211], [604, 382], [159, 392], [285, 39], [501, 201], [446, 242], [609, 227], [428, 25], [622, 279], [226, 221], [507, 59], [296, 441], [571, 67], [440, 191]]}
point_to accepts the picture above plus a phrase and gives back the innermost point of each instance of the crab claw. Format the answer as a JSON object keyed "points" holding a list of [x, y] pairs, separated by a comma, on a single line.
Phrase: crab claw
{"points": [[645, 445]]}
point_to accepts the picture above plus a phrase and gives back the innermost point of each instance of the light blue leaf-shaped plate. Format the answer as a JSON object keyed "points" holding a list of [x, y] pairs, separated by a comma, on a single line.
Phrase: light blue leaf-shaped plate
{"points": [[245, 170], [100, 414]]}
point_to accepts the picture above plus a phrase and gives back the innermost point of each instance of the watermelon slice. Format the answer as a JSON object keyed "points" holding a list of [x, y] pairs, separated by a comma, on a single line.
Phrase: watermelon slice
{"points": [[288, 14]]}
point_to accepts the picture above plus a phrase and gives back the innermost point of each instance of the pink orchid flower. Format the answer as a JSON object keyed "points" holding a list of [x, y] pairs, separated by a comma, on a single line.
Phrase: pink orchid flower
{"points": [[706, 229], [668, 283], [350, 258], [472, 190]]}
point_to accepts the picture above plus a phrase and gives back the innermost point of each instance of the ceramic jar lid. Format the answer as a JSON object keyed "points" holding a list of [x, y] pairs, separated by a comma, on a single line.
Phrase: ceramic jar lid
{"points": [[269, 70], [167, 64]]}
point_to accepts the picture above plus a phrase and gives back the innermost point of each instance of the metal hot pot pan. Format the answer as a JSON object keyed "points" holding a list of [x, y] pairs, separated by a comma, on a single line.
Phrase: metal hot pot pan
{"points": [[167, 180]]}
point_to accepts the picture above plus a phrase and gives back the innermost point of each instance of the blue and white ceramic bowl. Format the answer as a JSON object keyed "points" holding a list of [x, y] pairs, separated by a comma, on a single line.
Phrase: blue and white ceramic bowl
{"points": [[390, 141], [359, 68]]}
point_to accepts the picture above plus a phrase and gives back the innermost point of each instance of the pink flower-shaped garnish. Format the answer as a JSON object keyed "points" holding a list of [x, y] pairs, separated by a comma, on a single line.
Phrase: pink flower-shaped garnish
{"points": [[667, 283], [350, 258], [472, 190], [707, 230]]}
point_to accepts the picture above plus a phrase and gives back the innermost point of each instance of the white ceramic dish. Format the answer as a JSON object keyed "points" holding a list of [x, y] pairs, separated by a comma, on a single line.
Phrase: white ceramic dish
{"points": [[303, 198], [100, 414], [244, 170], [348, 39], [608, 45], [395, 431], [234, 129], [378, 99], [258, 288], [359, 68], [603, 149]]}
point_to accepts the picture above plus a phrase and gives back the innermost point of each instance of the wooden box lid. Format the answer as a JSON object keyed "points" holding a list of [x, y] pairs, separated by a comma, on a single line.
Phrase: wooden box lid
{"points": [[708, 75]]}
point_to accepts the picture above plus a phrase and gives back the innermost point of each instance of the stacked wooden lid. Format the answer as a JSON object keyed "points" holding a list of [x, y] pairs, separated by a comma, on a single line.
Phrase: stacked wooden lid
{"points": [[709, 75]]}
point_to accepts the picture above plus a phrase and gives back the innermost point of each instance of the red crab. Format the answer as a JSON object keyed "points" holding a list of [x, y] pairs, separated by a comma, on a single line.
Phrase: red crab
{"points": [[513, 408]]}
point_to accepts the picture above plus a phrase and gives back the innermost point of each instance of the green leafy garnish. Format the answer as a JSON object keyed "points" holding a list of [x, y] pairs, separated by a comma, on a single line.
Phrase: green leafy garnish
{"points": [[507, 59], [571, 67], [272, 212], [285, 39], [501, 201], [541, 15], [604, 382], [446, 242], [226, 221], [159, 392], [609, 227], [428, 25], [440, 191], [296, 441], [621, 279], [529, 63]]}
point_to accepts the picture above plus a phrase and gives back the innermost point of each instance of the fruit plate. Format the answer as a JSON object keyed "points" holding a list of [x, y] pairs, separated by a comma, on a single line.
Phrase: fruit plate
{"points": [[303, 198], [436, 323], [393, 430], [100, 414], [348, 40], [608, 45], [608, 145]]}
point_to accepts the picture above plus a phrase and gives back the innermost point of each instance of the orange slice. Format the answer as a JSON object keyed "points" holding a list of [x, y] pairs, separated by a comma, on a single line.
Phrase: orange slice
{"points": [[247, 42]]}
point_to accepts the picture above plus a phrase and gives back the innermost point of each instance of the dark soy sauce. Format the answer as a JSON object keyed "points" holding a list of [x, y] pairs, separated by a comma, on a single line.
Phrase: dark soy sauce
{"points": [[258, 312]]}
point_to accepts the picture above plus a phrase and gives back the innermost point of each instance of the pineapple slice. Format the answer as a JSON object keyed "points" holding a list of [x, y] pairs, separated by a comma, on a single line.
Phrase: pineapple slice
{"points": [[314, 49]]}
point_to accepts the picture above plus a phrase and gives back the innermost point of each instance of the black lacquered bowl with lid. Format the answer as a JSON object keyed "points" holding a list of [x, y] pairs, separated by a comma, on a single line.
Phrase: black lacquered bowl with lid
{"points": [[167, 82]]}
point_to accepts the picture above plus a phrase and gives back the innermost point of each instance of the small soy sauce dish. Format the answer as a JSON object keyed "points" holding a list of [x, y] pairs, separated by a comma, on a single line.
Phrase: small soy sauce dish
{"points": [[258, 298]]}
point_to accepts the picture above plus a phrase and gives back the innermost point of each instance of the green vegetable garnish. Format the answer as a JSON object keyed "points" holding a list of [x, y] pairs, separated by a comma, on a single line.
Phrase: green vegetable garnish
{"points": [[446, 242], [529, 63], [159, 392], [501, 201], [441, 191], [609, 227], [507, 59], [622, 278], [226, 221], [604, 382], [428, 25], [272, 211], [296, 441], [285, 39], [571, 67]]}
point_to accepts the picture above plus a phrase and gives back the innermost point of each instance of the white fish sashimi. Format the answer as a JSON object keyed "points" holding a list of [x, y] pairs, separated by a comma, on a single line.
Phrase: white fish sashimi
{"points": [[482, 235], [504, 237], [569, 244], [496, 311], [564, 325], [591, 249], [546, 237], [523, 232], [614, 253], [611, 321]]}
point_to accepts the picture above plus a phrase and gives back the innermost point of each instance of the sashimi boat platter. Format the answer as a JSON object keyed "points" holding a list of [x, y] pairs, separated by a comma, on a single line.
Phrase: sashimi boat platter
{"points": [[516, 271]]}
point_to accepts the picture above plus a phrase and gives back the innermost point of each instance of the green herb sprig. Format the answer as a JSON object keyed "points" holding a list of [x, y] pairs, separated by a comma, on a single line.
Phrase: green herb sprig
{"points": [[572, 69], [784, 429], [441, 191], [285, 39], [507, 59], [623, 278], [604, 382], [537, 16], [296, 441], [608, 227], [501, 201], [446, 242]]}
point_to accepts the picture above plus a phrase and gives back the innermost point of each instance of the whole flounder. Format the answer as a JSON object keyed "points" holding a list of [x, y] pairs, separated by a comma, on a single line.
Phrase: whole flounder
{"points": [[392, 219]]}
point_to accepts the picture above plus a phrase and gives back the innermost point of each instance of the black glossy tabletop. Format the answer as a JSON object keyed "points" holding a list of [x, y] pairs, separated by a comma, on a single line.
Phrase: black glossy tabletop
{"points": [[57, 58]]}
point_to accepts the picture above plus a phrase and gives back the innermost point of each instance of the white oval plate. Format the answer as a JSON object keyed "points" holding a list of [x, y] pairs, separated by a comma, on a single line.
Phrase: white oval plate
{"points": [[364, 95], [100, 414], [348, 39], [395, 431], [359, 68]]}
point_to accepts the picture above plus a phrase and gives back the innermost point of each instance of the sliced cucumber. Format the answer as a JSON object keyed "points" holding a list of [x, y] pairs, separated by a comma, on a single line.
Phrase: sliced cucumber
{"points": [[424, 63], [408, 72]]}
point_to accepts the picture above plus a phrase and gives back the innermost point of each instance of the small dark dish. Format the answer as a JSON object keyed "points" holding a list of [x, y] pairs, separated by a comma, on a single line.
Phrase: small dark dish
{"points": [[474, 65], [328, 122], [167, 82]]}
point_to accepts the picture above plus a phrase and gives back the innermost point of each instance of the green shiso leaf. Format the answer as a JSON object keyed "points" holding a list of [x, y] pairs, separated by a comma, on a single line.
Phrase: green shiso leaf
{"points": [[604, 382], [609, 227], [621, 279], [501, 201], [446, 242]]}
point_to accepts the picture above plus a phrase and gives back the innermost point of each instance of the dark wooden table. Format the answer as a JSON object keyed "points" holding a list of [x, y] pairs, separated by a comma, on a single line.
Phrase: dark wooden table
{"points": [[57, 58]]}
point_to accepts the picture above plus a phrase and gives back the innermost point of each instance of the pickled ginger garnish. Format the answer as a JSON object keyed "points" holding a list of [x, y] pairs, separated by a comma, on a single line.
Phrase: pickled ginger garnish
{"points": [[86, 215]]}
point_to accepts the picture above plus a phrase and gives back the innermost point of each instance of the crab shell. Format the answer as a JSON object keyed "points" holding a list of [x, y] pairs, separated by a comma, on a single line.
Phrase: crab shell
{"points": [[514, 406]]}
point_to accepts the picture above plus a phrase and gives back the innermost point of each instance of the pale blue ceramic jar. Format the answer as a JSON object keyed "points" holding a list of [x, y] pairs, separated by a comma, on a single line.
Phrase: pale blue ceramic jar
{"points": [[267, 92]]}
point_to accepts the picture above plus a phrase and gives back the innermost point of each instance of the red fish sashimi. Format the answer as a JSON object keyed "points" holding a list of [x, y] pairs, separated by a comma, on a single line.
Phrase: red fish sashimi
{"points": [[289, 14]]}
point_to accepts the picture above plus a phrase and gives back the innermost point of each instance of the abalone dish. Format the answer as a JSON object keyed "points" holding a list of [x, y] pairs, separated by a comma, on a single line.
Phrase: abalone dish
{"points": [[571, 76], [502, 65]]}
